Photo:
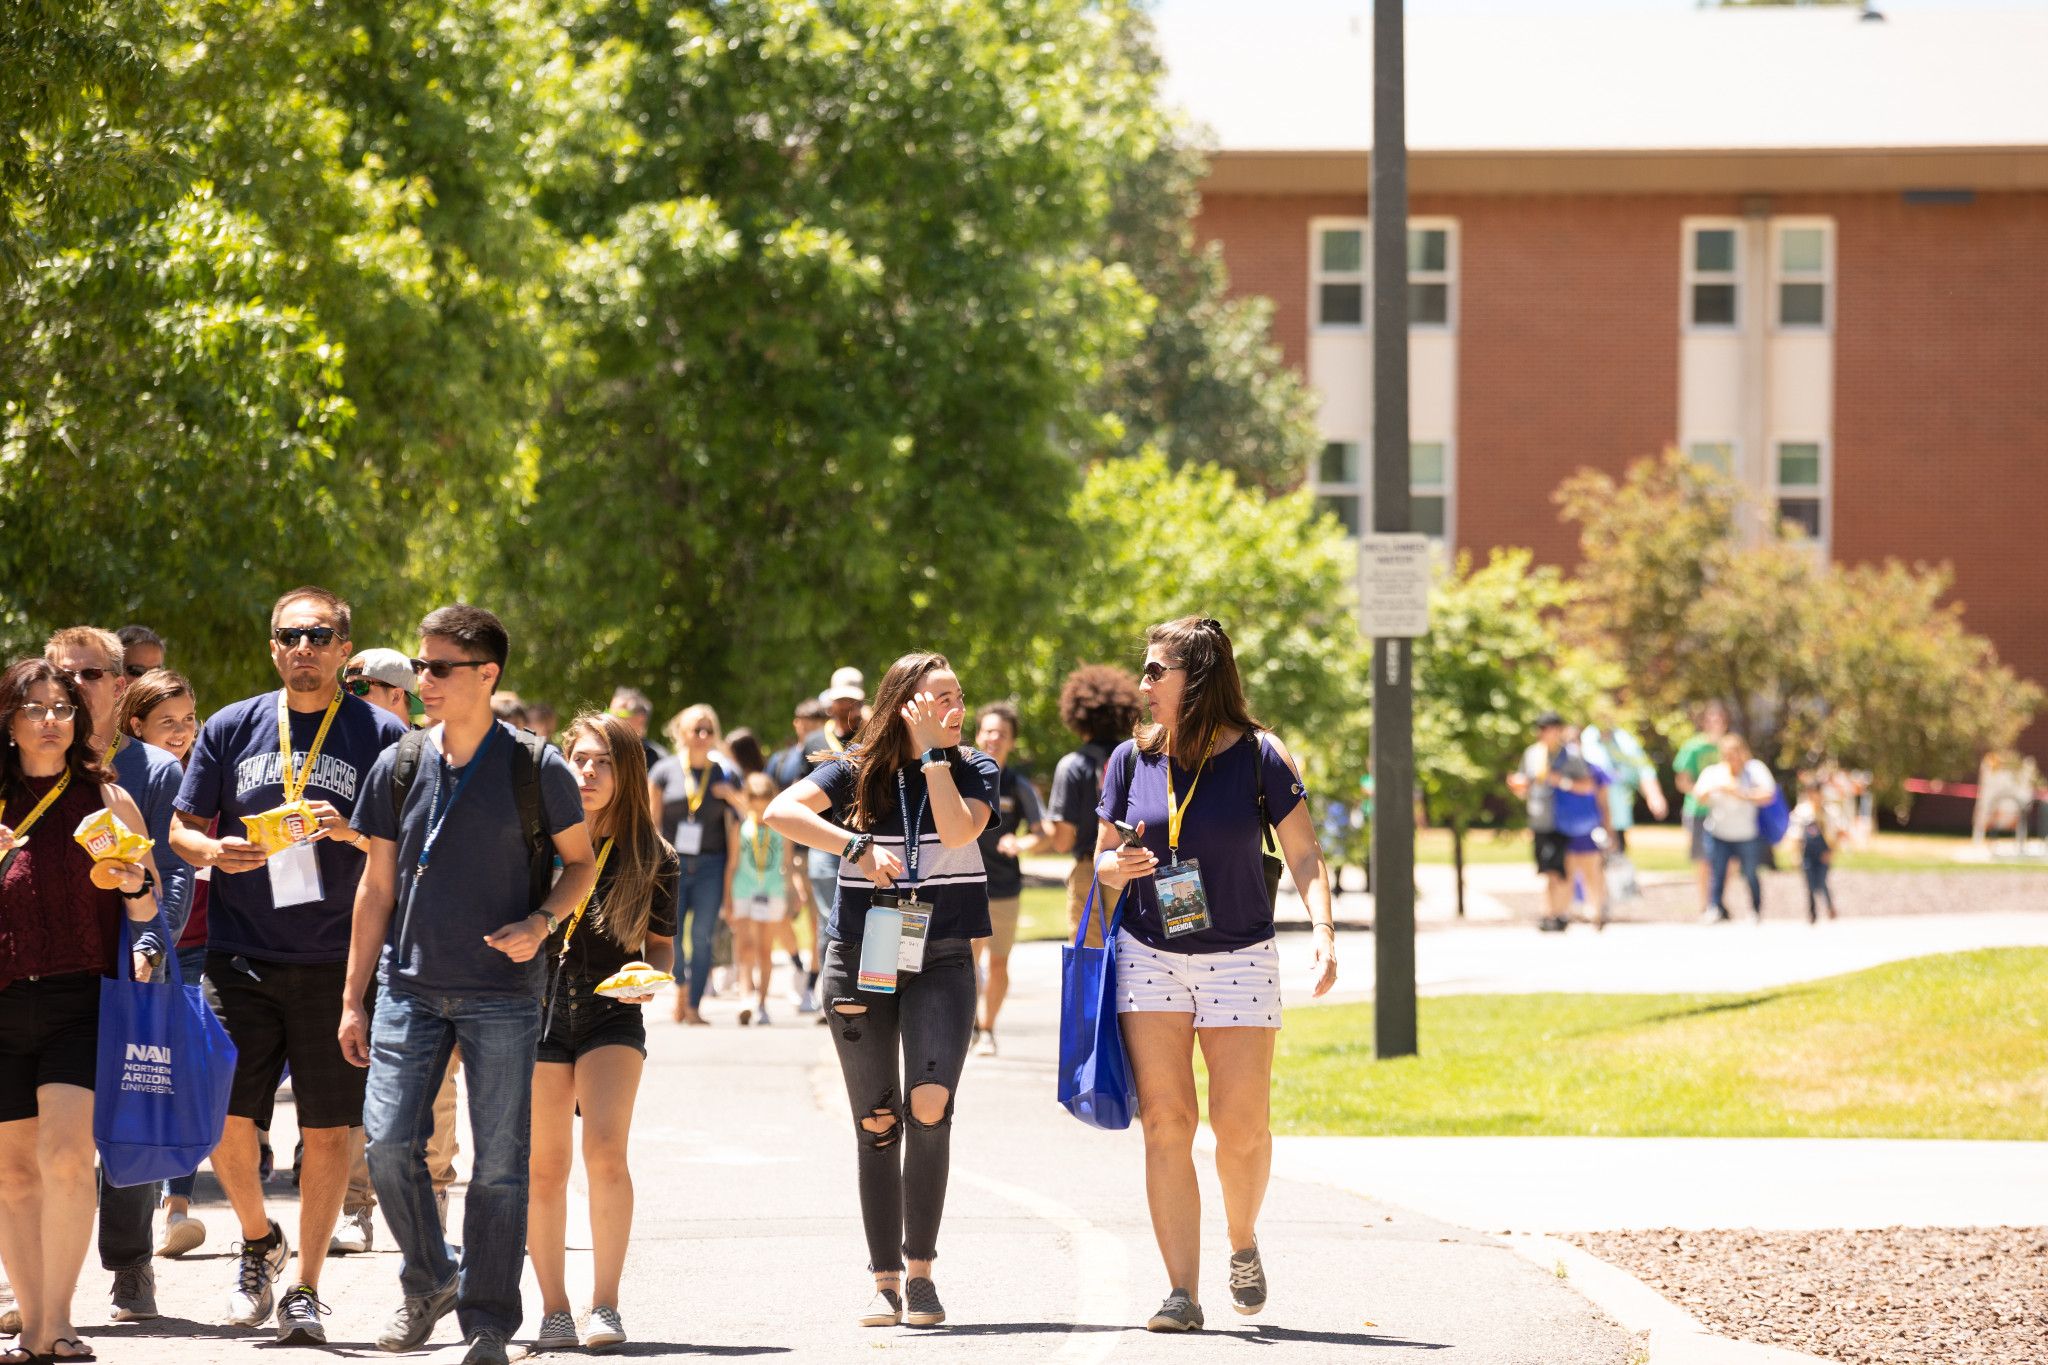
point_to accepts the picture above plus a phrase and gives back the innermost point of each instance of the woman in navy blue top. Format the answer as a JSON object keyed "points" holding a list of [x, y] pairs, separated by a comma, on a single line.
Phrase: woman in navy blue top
{"points": [[1196, 956], [904, 808]]}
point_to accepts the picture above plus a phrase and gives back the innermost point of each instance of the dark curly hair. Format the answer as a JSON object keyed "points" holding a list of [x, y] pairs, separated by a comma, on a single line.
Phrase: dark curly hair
{"points": [[1099, 702]]}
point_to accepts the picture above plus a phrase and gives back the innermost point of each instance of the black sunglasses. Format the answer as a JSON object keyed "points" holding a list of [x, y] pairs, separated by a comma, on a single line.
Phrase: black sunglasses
{"points": [[361, 686], [441, 668], [289, 636], [134, 670], [86, 675], [1155, 670]]}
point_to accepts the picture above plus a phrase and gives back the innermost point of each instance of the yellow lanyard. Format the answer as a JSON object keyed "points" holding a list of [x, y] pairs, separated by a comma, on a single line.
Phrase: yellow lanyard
{"points": [[757, 846], [295, 787], [1177, 811], [108, 757], [584, 904], [692, 788], [832, 739], [21, 830]]}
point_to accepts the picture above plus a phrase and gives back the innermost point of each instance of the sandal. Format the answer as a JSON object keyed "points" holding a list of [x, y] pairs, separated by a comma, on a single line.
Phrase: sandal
{"points": [[79, 1351], [17, 1355]]}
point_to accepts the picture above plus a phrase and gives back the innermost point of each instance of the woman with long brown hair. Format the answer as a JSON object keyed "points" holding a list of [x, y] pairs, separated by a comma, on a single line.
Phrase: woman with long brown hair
{"points": [[904, 809], [1196, 956], [60, 932], [593, 1047]]}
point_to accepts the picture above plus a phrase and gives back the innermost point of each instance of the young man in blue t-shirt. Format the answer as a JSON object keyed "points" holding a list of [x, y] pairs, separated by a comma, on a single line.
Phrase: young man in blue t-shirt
{"points": [[277, 933], [445, 915]]}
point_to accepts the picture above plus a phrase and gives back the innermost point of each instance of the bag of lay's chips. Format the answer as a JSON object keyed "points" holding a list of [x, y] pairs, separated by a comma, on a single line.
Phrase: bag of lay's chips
{"points": [[635, 978], [277, 829], [108, 840]]}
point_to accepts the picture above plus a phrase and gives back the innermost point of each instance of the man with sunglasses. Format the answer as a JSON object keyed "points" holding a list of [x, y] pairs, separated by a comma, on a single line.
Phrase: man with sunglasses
{"points": [[384, 678], [277, 936], [142, 649], [94, 659]]}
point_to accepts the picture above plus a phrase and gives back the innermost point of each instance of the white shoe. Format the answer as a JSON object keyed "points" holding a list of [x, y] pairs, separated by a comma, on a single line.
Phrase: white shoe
{"points": [[182, 1233], [761, 1017], [987, 1046], [256, 1271], [354, 1233], [603, 1329]]}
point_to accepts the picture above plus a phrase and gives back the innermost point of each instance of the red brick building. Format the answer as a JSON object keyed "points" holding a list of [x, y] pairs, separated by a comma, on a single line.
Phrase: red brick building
{"points": [[1806, 246]]}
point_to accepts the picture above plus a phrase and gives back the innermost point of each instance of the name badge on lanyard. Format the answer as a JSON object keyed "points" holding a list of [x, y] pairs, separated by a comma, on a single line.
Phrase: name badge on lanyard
{"points": [[1183, 900], [689, 834], [295, 870], [295, 876], [916, 917]]}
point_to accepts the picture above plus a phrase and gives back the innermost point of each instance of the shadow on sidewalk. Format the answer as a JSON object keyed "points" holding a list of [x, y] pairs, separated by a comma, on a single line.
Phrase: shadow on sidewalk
{"points": [[1263, 1336]]}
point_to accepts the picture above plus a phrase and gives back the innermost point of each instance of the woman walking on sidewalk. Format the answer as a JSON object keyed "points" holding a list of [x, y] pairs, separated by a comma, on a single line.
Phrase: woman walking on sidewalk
{"points": [[1196, 956], [690, 790], [593, 1047], [903, 808]]}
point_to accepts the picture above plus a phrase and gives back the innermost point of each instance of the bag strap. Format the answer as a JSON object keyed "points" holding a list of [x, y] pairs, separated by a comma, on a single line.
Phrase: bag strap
{"points": [[1129, 775], [527, 758], [1115, 920], [1269, 838], [405, 770]]}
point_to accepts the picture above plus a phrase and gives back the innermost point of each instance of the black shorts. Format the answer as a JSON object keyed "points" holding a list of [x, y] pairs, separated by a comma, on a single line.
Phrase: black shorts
{"points": [[583, 1023], [279, 1012], [1550, 850], [1620, 837], [49, 1035]]}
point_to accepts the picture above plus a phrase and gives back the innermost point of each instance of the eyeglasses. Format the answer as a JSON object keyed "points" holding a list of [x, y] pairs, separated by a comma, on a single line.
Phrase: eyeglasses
{"points": [[86, 675], [134, 670], [361, 686], [38, 713], [289, 636], [1155, 670], [441, 668]]}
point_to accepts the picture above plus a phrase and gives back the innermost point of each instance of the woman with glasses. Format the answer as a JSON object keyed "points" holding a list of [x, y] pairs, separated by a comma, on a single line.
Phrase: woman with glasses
{"points": [[60, 932], [695, 789], [593, 1047], [904, 808], [1196, 955]]}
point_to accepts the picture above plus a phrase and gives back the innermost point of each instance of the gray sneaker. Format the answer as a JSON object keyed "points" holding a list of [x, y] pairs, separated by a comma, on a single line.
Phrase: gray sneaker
{"points": [[257, 1267], [557, 1332], [885, 1309], [135, 1293], [487, 1347], [298, 1318], [922, 1307], [354, 1233], [1247, 1281], [1180, 1313], [414, 1321]]}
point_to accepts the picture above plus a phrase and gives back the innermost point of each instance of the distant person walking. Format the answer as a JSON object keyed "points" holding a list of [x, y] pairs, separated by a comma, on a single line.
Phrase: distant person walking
{"points": [[1561, 829], [1731, 794], [691, 789], [1694, 757], [1020, 825], [1814, 825], [1099, 703]]}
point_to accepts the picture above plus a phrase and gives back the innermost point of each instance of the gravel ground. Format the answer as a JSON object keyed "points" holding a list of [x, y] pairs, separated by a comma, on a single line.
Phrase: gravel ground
{"points": [[1896, 1296], [1859, 894]]}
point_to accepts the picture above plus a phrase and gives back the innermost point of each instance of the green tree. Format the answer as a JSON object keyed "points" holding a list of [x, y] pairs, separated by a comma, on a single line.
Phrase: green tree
{"points": [[1494, 659]]}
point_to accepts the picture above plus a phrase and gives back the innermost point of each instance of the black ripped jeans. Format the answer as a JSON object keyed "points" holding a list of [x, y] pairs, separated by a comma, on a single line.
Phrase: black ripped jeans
{"points": [[903, 1169]]}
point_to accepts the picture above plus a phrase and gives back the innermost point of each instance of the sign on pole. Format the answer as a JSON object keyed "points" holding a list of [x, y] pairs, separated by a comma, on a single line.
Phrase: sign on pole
{"points": [[1393, 586]]}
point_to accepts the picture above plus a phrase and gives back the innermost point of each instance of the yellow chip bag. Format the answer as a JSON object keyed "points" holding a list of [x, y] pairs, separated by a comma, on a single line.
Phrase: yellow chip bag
{"points": [[277, 829], [108, 840], [635, 978]]}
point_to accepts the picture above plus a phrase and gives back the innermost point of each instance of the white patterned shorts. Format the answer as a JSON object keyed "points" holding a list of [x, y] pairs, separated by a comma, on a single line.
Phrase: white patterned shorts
{"points": [[1222, 990]]}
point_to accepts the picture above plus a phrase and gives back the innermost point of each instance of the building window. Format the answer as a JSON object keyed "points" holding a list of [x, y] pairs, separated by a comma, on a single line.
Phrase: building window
{"points": [[1432, 269], [1337, 487], [1715, 455], [1799, 489], [1713, 274], [1429, 488], [1340, 276], [1800, 261]]}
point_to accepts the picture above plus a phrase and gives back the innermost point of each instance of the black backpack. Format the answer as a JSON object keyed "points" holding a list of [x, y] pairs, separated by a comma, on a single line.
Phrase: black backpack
{"points": [[526, 760]]}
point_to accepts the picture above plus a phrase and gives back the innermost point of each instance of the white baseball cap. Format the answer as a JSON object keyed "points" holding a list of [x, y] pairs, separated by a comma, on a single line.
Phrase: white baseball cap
{"points": [[847, 685]]}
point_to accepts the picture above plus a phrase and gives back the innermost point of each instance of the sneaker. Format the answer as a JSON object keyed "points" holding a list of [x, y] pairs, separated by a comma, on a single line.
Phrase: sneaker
{"points": [[258, 1266], [603, 1329], [487, 1347], [298, 1318], [135, 1293], [352, 1234], [414, 1321], [182, 1233], [557, 1332], [1247, 1281], [807, 1002], [1180, 1313], [924, 1308], [885, 1309], [987, 1046], [761, 1017]]}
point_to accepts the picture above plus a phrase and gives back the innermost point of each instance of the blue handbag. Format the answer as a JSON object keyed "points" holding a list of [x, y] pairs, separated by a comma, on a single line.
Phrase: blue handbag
{"points": [[1095, 1081], [1774, 820], [161, 1084]]}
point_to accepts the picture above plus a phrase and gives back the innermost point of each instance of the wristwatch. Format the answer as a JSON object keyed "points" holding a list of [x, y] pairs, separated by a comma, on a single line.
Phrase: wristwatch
{"points": [[934, 757], [148, 885], [552, 921]]}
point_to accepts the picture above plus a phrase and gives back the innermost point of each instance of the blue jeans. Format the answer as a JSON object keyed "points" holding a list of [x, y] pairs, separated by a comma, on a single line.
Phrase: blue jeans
{"points": [[1748, 852], [410, 1039], [700, 895]]}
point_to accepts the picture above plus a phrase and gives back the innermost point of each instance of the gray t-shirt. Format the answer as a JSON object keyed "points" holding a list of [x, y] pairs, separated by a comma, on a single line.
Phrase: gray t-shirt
{"points": [[477, 882]]}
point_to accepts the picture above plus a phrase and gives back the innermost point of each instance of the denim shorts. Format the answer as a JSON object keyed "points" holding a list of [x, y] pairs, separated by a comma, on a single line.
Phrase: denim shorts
{"points": [[583, 1022]]}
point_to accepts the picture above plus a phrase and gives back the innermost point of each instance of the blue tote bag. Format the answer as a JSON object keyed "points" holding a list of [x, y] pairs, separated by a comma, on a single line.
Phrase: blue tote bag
{"points": [[165, 1067], [1095, 1081], [1774, 820]]}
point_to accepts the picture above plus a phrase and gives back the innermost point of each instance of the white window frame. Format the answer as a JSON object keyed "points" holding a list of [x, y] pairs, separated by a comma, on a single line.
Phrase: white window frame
{"points": [[1448, 277], [1734, 469], [1317, 276], [1825, 279], [1357, 489], [1447, 490], [1821, 490], [1689, 275]]}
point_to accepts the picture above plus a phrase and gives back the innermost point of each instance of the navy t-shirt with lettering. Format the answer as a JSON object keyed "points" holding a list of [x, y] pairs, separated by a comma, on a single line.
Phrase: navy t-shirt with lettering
{"points": [[1221, 832], [477, 881], [952, 881], [234, 772]]}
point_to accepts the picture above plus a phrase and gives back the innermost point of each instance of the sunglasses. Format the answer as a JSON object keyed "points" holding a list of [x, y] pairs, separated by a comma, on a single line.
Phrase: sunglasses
{"points": [[134, 670], [441, 668], [86, 675], [289, 636], [361, 686], [37, 713], [1154, 671]]}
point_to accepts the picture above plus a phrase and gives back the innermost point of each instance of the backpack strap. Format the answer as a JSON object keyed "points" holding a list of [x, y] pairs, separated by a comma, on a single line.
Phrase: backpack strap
{"points": [[1129, 775], [405, 770], [527, 758]]}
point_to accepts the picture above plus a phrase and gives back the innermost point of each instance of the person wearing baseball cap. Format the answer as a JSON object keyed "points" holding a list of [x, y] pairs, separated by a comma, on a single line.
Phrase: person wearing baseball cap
{"points": [[384, 678]]}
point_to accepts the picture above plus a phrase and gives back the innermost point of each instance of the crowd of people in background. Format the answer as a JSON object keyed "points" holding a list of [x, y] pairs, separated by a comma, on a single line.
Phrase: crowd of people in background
{"points": [[472, 879]]}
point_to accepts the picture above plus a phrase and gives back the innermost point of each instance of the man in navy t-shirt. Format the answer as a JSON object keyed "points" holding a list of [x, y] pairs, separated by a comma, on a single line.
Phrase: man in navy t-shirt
{"points": [[277, 934], [446, 917]]}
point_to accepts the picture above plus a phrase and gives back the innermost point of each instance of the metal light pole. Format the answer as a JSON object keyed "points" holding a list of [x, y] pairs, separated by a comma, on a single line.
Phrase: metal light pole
{"points": [[1393, 716]]}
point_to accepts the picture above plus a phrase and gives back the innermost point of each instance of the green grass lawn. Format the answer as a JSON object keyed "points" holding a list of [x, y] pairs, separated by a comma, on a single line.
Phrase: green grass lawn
{"points": [[1662, 848], [1954, 1046]]}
